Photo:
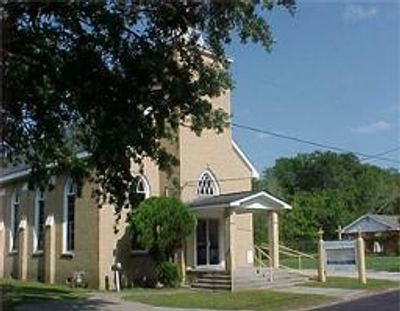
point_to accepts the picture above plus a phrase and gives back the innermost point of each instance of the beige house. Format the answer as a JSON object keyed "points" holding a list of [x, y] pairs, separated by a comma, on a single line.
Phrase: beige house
{"points": [[51, 236]]}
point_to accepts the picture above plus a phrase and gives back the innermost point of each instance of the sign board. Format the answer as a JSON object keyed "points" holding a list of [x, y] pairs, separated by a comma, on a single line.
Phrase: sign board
{"points": [[340, 255]]}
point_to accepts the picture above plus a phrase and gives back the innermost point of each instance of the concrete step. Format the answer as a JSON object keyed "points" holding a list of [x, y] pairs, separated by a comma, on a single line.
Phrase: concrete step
{"points": [[212, 280], [212, 286], [215, 276]]}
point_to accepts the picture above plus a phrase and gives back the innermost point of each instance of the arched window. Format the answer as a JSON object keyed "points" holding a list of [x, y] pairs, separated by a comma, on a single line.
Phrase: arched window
{"points": [[15, 203], [39, 220], [207, 185], [69, 216], [143, 190]]}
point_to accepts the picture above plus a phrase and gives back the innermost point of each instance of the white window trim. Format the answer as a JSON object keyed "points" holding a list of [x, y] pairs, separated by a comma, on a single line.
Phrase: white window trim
{"points": [[35, 241], [11, 249], [65, 251], [146, 186], [146, 196], [214, 180]]}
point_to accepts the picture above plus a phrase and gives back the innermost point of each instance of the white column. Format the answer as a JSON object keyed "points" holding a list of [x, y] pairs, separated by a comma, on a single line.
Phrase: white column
{"points": [[273, 237], [2, 248], [362, 275], [22, 250], [321, 258], [49, 250]]}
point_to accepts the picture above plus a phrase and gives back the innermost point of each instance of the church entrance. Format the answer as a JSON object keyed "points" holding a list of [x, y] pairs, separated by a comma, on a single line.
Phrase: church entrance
{"points": [[207, 242]]}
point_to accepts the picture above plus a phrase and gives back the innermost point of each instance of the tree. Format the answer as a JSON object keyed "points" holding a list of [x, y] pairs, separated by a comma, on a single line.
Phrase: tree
{"points": [[328, 189], [161, 224], [116, 78]]}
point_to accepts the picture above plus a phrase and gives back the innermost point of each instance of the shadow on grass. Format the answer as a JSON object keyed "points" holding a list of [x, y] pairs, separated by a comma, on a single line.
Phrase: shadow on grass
{"points": [[32, 295]]}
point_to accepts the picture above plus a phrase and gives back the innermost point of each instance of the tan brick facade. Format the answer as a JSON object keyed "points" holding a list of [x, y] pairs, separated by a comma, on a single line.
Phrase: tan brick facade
{"points": [[97, 247]]}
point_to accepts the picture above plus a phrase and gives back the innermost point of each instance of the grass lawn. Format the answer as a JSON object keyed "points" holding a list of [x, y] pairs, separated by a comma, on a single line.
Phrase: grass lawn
{"points": [[14, 292], [352, 283], [306, 263], [257, 300], [373, 262], [383, 263]]}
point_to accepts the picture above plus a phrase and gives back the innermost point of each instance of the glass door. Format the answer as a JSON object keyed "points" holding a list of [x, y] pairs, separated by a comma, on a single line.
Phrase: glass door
{"points": [[213, 245], [207, 238], [201, 239]]}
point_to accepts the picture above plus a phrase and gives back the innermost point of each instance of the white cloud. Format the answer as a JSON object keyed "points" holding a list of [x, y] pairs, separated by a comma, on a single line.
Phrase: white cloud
{"points": [[373, 127], [357, 12], [263, 136]]}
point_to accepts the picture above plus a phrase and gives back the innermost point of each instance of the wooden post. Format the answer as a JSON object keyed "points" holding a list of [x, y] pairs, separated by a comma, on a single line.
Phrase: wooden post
{"points": [[273, 237], [362, 275], [22, 250], [321, 258], [49, 250]]}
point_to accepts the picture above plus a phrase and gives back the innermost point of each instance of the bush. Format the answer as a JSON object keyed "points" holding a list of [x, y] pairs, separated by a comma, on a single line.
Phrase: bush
{"points": [[168, 274], [162, 224]]}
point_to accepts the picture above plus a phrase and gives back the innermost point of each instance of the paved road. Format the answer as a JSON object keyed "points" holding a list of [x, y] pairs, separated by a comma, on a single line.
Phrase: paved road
{"points": [[383, 302]]}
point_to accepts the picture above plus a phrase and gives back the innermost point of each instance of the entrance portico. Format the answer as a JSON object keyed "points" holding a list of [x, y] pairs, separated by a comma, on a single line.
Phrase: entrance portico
{"points": [[223, 239]]}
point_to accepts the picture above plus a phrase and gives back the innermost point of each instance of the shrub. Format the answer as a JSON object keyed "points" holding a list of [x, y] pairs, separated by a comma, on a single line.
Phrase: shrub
{"points": [[161, 224], [169, 274]]}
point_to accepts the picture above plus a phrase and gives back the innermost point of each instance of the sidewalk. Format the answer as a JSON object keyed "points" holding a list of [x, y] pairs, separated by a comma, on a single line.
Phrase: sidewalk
{"points": [[371, 274], [98, 302]]}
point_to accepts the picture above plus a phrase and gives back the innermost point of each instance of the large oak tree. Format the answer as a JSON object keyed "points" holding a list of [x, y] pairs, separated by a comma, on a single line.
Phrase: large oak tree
{"points": [[115, 78]]}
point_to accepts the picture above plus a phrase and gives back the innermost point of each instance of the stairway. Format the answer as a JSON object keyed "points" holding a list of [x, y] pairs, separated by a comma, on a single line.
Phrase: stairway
{"points": [[245, 278], [250, 278], [211, 280]]}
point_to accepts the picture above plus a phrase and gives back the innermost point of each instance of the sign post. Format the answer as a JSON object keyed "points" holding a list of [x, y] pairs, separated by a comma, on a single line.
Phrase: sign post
{"points": [[362, 275], [321, 258]]}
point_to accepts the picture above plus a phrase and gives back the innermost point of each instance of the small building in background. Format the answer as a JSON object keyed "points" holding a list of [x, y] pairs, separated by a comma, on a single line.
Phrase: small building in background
{"points": [[380, 232]]}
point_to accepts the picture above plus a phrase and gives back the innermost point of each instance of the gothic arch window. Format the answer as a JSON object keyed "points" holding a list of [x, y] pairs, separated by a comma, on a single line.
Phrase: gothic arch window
{"points": [[143, 190], [69, 216], [15, 204], [142, 187], [39, 221], [207, 184]]}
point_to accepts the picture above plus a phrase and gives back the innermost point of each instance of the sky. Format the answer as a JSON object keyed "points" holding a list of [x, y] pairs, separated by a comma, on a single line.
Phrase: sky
{"points": [[333, 77]]}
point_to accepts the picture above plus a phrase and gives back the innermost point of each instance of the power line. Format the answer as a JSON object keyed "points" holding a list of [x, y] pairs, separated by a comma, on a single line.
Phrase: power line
{"points": [[382, 153], [313, 143]]}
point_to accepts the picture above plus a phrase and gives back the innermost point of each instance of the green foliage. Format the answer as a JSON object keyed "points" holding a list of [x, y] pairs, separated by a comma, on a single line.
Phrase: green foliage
{"points": [[116, 79], [326, 190], [168, 273], [161, 224]]}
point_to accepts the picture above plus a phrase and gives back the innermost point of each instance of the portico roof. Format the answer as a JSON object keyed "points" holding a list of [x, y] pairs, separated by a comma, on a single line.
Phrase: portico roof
{"points": [[248, 200]]}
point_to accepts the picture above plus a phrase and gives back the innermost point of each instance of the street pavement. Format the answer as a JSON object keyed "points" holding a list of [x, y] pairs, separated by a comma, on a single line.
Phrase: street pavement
{"points": [[389, 301]]}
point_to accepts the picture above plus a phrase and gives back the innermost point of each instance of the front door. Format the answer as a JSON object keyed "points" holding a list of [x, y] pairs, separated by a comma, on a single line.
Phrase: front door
{"points": [[207, 239]]}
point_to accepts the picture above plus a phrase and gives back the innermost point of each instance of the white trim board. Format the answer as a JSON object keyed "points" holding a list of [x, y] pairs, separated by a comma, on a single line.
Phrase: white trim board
{"points": [[245, 159]]}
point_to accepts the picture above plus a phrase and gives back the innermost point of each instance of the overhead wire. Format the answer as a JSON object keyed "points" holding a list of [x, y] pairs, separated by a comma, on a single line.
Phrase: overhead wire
{"points": [[318, 144]]}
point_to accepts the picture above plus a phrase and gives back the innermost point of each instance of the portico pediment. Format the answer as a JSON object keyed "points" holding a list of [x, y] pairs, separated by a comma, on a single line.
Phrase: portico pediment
{"points": [[254, 201]]}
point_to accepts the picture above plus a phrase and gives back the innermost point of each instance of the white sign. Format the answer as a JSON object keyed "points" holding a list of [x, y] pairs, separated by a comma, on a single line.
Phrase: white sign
{"points": [[340, 255]]}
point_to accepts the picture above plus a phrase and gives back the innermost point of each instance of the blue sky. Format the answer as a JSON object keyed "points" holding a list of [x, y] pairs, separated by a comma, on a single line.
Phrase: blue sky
{"points": [[333, 77]]}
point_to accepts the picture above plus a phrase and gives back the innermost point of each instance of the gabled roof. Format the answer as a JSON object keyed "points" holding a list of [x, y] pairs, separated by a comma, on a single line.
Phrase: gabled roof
{"points": [[259, 200], [390, 222], [14, 172]]}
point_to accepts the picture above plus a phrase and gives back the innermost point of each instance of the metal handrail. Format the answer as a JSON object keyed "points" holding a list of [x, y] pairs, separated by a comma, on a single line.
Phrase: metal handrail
{"points": [[258, 254], [288, 249], [289, 252]]}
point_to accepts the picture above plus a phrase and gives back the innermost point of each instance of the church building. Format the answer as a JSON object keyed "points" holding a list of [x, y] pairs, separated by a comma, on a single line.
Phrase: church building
{"points": [[51, 236]]}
